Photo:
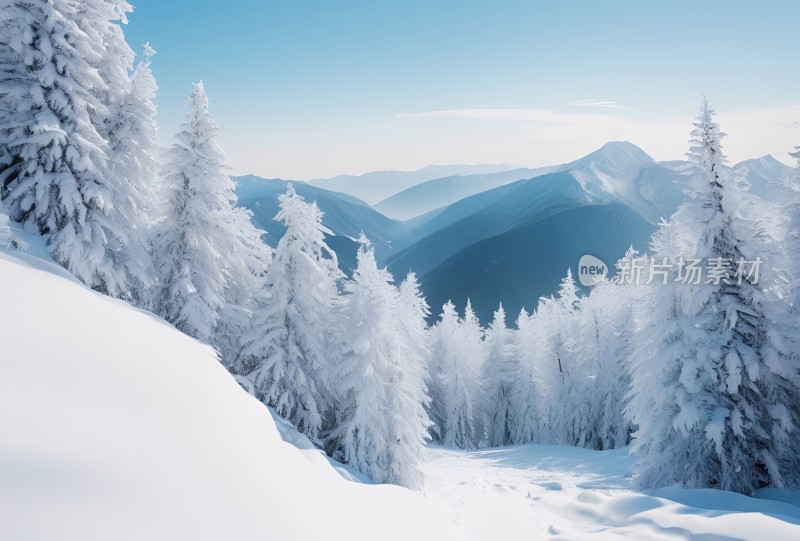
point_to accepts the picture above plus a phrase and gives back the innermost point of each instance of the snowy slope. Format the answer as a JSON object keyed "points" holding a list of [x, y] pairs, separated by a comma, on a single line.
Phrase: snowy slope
{"points": [[378, 185], [441, 192], [116, 426], [761, 172], [622, 170]]}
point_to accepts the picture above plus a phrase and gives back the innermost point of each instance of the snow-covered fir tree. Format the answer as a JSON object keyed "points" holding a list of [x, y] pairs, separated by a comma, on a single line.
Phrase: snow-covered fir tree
{"points": [[451, 400], [500, 374], [607, 321], [549, 354], [131, 127], [246, 260], [472, 338], [456, 360], [714, 385], [413, 399], [115, 63], [440, 339], [382, 421], [207, 249], [53, 160], [287, 352], [527, 421]]}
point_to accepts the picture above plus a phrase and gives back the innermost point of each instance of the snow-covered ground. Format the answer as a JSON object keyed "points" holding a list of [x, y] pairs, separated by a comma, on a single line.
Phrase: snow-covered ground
{"points": [[114, 426], [566, 493]]}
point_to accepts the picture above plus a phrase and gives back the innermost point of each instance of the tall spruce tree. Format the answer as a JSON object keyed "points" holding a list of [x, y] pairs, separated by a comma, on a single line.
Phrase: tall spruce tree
{"points": [[287, 352], [714, 389], [500, 375], [383, 424], [207, 249], [131, 128], [53, 155]]}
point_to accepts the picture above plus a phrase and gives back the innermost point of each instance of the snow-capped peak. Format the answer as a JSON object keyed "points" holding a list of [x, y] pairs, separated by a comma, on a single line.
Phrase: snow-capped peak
{"points": [[767, 166], [610, 170], [615, 155]]}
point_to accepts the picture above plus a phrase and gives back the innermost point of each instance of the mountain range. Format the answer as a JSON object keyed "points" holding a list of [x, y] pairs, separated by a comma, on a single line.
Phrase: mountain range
{"points": [[506, 235], [440, 192], [378, 185]]}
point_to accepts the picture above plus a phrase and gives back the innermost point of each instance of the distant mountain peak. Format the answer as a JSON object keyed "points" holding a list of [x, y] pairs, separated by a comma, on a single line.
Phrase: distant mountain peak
{"points": [[766, 162], [611, 170], [616, 154]]}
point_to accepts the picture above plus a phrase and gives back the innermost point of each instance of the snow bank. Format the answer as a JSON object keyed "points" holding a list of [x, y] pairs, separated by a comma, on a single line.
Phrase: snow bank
{"points": [[116, 426]]}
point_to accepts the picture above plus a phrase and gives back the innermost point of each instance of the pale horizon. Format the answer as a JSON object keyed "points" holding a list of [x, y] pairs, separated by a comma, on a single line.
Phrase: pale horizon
{"points": [[314, 90]]}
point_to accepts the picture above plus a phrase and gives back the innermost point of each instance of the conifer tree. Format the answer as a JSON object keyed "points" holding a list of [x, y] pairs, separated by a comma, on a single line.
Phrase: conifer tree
{"points": [[288, 350], [455, 356], [714, 387], [208, 250], [383, 423], [500, 374], [53, 157]]}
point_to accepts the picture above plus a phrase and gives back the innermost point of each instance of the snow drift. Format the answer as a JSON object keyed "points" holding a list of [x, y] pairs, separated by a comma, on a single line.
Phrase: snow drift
{"points": [[117, 426]]}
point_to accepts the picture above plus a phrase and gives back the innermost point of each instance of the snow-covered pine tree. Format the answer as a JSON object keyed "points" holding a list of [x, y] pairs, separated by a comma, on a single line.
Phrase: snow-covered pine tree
{"points": [[455, 376], [246, 260], [189, 247], [607, 321], [115, 64], [472, 340], [362, 434], [440, 339], [52, 159], [557, 364], [526, 422], [500, 374], [382, 420], [287, 352], [411, 311], [131, 127], [207, 249], [714, 387]]}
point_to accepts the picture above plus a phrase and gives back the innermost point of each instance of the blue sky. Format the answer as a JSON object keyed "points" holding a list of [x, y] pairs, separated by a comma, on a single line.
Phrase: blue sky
{"points": [[304, 88]]}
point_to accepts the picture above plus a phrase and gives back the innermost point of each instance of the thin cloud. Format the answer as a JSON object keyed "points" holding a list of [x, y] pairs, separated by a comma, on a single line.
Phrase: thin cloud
{"points": [[529, 137], [538, 116], [592, 102]]}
